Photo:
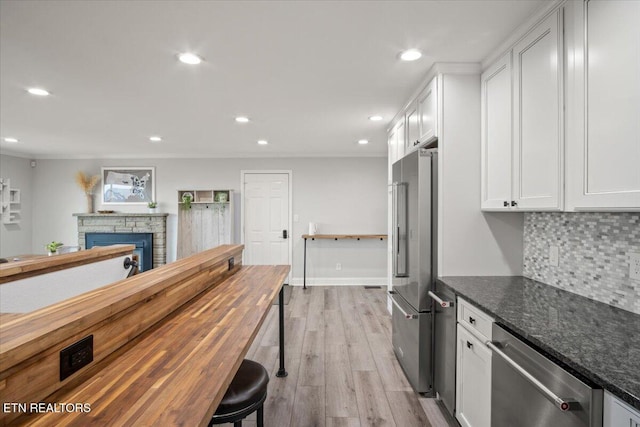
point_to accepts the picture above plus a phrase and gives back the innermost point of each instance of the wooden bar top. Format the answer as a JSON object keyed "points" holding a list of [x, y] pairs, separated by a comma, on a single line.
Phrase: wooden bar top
{"points": [[344, 236], [177, 372], [36, 265]]}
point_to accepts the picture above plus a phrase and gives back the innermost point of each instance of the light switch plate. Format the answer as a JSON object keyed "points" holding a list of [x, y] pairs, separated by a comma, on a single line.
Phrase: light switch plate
{"points": [[554, 256], [634, 266]]}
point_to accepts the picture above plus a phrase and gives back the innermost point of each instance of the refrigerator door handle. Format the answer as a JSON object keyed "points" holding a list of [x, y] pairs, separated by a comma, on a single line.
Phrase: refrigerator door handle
{"points": [[404, 313], [400, 228]]}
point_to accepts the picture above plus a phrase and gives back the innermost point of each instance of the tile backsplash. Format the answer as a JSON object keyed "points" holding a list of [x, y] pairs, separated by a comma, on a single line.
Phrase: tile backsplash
{"points": [[594, 253]]}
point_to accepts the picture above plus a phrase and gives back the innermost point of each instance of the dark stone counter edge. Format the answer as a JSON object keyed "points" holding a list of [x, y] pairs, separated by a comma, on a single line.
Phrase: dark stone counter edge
{"points": [[575, 368]]}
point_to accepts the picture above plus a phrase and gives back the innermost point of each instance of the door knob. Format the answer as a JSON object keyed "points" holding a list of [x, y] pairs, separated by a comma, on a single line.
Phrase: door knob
{"points": [[284, 234]]}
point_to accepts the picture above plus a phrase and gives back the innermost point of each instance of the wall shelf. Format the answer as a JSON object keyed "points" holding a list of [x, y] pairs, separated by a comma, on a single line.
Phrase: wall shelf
{"points": [[334, 237], [9, 202], [207, 223], [344, 236]]}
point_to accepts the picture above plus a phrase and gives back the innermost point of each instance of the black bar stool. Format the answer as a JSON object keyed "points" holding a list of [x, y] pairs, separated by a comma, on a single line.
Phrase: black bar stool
{"points": [[246, 393]]}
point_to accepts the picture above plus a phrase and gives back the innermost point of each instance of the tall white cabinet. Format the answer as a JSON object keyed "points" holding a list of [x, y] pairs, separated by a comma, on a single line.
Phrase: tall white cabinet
{"points": [[537, 117], [604, 105], [522, 123], [497, 126]]}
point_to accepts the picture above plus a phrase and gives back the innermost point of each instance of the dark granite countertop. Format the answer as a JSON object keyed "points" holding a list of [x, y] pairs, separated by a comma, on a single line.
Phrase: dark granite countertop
{"points": [[592, 339]]}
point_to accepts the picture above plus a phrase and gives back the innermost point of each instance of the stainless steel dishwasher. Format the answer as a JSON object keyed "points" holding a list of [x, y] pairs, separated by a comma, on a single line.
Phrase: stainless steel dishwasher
{"points": [[527, 389]]}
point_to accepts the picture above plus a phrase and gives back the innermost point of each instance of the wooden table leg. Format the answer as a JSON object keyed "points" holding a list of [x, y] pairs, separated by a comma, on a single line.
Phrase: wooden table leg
{"points": [[281, 372]]}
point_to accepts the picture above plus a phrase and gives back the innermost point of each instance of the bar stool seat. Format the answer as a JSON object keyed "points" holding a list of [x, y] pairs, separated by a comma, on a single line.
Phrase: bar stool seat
{"points": [[246, 393]]}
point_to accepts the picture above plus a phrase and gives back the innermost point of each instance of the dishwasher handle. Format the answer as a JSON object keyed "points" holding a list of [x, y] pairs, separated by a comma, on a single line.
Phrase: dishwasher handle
{"points": [[563, 404], [404, 313], [436, 298]]}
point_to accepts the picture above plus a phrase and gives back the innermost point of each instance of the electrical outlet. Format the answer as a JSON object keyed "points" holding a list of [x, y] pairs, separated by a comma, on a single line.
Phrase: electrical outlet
{"points": [[231, 263], [338, 266], [554, 256], [76, 356], [634, 266]]}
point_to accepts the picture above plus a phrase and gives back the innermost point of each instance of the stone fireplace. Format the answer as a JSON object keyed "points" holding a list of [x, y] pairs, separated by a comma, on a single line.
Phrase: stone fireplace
{"points": [[127, 223]]}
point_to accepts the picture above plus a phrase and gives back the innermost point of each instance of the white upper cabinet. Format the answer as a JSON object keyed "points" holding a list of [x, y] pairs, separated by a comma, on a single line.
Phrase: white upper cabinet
{"points": [[522, 123], [496, 135], [412, 128], [428, 112], [421, 117], [396, 143], [603, 138], [538, 117]]}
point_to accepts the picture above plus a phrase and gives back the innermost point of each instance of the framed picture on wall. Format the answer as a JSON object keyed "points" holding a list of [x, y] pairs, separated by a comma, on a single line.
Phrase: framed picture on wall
{"points": [[128, 185]]}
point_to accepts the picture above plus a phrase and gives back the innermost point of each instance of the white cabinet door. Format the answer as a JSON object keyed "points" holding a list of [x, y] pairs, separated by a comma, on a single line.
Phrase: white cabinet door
{"points": [[400, 139], [413, 131], [428, 112], [617, 413], [604, 101], [538, 117], [473, 381], [392, 150], [496, 135]]}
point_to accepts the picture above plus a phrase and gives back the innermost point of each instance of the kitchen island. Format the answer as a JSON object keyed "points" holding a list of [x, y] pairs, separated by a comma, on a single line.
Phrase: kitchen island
{"points": [[167, 343], [593, 340]]}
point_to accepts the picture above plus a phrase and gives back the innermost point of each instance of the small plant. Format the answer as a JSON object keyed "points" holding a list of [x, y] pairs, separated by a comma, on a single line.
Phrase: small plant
{"points": [[187, 198], [53, 246], [152, 205]]}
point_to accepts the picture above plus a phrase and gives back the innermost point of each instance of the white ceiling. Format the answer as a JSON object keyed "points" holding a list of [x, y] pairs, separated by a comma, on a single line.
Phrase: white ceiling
{"points": [[307, 73]]}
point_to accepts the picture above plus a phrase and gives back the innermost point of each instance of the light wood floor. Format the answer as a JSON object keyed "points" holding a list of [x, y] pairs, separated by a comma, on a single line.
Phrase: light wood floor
{"points": [[342, 370]]}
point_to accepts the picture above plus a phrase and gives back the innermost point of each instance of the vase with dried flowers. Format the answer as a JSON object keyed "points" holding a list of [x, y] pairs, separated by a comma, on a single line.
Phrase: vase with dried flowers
{"points": [[86, 183]]}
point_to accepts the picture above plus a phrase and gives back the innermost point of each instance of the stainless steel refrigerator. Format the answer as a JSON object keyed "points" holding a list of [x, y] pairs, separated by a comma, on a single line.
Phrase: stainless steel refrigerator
{"points": [[414, 264]]}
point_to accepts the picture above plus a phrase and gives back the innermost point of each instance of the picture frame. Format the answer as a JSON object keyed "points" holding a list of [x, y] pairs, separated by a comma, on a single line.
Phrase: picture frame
{"points": [[128, 185]]}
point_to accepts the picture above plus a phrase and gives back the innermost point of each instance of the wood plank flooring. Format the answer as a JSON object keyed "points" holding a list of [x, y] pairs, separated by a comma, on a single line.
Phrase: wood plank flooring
{"points": [[342, 370]]}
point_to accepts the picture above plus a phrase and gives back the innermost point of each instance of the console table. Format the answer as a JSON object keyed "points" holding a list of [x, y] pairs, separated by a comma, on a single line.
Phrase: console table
{"points": [[332, 237]]}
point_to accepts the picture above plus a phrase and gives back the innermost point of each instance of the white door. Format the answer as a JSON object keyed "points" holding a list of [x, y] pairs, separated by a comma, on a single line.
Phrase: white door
{"points": [[496, 135], [473, 381], [537, 120], [604, 96], [266, 218]]}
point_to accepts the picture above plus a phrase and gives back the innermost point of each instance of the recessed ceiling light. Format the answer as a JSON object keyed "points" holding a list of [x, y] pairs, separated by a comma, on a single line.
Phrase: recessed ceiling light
{"points": [[11, 140], [189, 58], [262, 142], [37, 91], [375, 118], [410, 55], [363, 142], [242, 119], [155, 139]]}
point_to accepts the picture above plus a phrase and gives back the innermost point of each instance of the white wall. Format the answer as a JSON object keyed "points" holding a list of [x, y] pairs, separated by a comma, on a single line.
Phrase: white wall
{"points": [[342, 195], [34, 293], [15, 239], [471, 242]]}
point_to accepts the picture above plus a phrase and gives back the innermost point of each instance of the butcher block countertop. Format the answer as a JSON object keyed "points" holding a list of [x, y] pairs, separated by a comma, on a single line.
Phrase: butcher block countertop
{"points": [[177, 373], [166, 344], [33, 265]]}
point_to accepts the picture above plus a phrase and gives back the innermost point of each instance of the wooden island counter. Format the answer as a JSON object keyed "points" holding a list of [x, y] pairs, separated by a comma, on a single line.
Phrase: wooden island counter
{"points": [[166, 345]]}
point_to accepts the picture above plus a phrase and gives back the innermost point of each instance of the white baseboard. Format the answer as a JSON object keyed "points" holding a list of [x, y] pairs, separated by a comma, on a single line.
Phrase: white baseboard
{"points": [[341, 281]]}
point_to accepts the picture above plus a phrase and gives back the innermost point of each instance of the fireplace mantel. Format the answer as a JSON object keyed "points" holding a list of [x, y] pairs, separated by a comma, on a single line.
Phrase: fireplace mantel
{"points": [[155, 223]]}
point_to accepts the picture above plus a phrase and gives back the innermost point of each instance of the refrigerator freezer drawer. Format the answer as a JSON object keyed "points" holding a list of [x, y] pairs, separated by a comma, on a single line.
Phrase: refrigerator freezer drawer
{"points": [[411, 339]]}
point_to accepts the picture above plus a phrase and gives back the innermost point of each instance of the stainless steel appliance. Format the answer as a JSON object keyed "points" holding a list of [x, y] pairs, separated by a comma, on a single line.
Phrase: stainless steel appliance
{"points": [[444, 346], [414, 264], [527, 389]]}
